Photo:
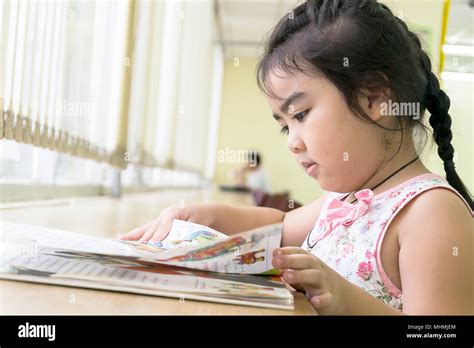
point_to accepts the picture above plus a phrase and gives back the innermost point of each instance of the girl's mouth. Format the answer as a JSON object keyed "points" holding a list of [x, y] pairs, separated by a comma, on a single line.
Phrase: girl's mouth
{"points": [[310, 167]]}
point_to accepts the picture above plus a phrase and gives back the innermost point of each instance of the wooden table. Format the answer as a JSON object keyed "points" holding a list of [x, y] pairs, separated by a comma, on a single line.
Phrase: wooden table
{"points": [[108, 217]]}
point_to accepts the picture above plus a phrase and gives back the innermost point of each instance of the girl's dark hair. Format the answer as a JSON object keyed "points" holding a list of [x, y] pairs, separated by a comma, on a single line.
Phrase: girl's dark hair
{"points": [[357, 45]]}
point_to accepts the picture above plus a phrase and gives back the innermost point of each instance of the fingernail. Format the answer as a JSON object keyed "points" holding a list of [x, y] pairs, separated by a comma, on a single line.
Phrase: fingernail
{"points": [[289, 276], [278, 261], [278, 252]]}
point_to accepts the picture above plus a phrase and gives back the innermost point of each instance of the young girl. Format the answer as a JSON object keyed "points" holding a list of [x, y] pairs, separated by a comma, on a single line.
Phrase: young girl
{"points": [[388, 237]]}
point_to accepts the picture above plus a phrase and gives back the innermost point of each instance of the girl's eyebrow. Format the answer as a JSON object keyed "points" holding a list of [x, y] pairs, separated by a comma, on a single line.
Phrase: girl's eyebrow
{"points": [[287, 103], [291, 99]]}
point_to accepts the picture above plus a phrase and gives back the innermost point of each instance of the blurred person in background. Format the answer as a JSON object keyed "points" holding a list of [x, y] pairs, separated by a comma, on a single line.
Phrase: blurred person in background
{"points": [[251, 175]]}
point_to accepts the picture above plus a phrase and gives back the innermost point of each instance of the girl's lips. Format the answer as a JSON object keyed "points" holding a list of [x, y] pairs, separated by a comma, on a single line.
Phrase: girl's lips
{"points": [[312, 169]]}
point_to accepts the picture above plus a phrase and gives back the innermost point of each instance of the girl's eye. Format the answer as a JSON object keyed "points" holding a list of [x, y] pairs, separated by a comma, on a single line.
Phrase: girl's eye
{"points": [[284, 130], [301, 115]]}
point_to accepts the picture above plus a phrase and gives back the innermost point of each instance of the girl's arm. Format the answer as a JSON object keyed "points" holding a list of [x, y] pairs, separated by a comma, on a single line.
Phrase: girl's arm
{"points": [[299, 222], [222, 217], [436, 254], [230, 219]]}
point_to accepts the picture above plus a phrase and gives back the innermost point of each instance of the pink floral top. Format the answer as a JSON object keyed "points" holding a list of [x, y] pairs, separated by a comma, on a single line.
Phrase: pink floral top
{"points": [[348, 237]]}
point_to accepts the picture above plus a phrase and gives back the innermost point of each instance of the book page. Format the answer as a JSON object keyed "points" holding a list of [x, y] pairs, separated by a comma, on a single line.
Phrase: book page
{"points": [[119, 273], [249, 252], [31, 237], [185, 234], [188, 245]]}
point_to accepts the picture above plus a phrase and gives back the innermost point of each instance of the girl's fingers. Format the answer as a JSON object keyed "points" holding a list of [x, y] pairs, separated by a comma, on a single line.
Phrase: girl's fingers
{"points": [[135, 233], [307, 277], [150, 231], [288, 251], [295, 261], [162, 231], [323, 300]]}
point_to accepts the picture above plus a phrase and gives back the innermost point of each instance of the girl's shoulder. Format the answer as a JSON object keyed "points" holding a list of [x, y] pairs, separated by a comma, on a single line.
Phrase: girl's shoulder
{"points": [[411, 201], [434, 235], [433, 203], [422, 188]]}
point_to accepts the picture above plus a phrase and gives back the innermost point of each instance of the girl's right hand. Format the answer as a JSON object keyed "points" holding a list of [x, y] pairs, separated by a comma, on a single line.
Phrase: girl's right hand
{"points": [[157, 230]]}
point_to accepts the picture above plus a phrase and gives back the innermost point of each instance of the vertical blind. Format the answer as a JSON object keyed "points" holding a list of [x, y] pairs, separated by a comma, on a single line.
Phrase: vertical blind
{"points": [[114, 81]]}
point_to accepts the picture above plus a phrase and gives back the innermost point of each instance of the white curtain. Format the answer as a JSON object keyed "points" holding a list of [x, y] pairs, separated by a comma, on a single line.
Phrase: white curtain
{"points": [[119, 81], [170, 104], [62, 75], [194, 86]]}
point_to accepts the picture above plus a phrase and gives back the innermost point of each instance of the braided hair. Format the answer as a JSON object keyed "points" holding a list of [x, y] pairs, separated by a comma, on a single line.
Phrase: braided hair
{"points": [[357, 45]]}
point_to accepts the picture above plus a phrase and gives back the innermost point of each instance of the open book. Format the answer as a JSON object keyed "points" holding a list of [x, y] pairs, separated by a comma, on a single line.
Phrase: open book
{"points": [[193, 262]]}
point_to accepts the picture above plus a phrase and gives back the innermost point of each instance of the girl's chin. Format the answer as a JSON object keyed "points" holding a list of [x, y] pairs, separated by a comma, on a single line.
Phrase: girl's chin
{"points": [[325, 182], [328, 185]]}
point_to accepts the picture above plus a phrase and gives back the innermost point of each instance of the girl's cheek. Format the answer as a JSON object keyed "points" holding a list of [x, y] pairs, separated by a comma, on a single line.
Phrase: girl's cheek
{"points": [[316, 141]]}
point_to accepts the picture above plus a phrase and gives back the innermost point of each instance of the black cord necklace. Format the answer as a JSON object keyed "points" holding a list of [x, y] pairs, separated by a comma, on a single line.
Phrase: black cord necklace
{"points": [[373, 188]]}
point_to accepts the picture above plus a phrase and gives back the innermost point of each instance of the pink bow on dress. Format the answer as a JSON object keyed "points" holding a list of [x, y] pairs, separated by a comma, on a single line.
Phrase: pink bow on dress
{"points": [[339, 212], [346, 213]]}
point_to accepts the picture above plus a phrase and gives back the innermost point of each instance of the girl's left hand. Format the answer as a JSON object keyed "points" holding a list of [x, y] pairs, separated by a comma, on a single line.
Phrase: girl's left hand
{"points": [[323, 286]]}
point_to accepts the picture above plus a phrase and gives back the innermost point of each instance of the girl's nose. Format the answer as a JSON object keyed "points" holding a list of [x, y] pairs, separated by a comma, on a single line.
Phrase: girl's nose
{"points": [[295, 143]]}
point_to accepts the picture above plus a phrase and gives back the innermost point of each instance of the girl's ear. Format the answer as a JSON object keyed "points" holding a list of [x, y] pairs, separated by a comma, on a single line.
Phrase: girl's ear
{"points": [[376, 103]]}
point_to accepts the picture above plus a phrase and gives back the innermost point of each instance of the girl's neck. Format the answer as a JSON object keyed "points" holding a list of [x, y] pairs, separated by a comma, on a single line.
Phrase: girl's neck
{"points": [[412, 170]]}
